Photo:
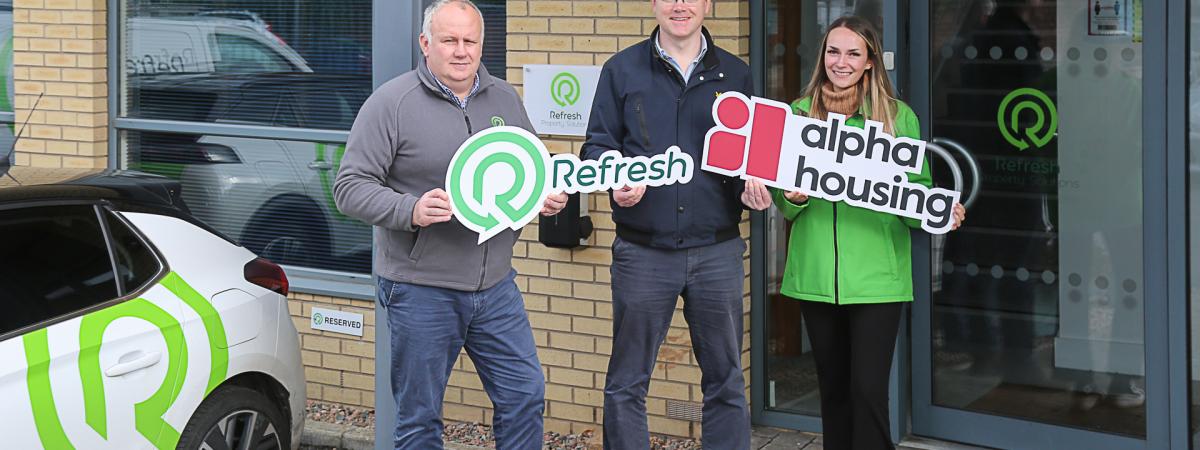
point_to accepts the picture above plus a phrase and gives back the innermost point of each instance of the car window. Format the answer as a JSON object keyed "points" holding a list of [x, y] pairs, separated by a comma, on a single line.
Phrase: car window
{"points": [[136, 263], [332, 109], [54, 262], [238, 54]]}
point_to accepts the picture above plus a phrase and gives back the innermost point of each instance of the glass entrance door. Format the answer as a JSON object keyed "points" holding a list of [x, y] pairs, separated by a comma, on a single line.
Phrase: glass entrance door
{"points": [[1031, 331]]}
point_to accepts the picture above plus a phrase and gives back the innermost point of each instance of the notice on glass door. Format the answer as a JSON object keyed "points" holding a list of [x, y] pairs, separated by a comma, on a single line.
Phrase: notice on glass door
{"points": [[1109, 17]]}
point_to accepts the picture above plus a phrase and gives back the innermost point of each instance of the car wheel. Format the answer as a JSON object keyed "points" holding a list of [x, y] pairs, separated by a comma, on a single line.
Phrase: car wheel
{"points": [[289, 230], [234, 417]]}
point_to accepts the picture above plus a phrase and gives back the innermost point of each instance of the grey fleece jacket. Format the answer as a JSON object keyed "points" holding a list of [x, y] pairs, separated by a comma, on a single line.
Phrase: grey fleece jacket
{"points": [[400, 147]]}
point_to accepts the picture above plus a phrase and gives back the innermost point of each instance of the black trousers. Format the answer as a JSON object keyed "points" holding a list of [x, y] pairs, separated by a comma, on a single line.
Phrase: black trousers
{"points": [[852, 346]]}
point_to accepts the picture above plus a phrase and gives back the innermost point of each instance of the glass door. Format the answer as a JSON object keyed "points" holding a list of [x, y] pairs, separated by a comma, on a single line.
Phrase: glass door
{"points": [[1030, 330]]}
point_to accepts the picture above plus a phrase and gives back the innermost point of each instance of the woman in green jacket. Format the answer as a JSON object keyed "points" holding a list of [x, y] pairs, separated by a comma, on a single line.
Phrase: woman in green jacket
{"points": [[851, 266]]}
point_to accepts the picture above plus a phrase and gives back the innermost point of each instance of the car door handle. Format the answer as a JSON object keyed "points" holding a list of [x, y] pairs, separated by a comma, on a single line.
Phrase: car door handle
{"points": [[140, 362], [320, 165]]}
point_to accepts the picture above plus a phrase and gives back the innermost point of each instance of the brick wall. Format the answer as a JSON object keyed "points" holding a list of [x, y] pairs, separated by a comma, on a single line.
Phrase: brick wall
{"points": [[59, 49], [339, 368]]}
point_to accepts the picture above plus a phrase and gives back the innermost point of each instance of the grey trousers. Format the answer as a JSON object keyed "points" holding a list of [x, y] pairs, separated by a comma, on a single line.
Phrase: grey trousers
{"points": [[646, 283]]}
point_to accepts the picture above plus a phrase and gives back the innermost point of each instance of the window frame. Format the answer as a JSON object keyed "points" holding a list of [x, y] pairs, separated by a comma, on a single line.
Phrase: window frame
{"points": [[99, 208]]}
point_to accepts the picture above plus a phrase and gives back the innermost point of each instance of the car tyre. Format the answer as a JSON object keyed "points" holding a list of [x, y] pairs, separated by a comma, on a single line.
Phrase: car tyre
{"points": [[236, 417]]}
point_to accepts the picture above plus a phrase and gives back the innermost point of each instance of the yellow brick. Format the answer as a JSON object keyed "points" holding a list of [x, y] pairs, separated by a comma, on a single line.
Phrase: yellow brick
{"points": [[596, 9], [83, 17], [59, 60], [604, 346], [357, 348], [550, 287], [570, 306], [61, 118], [465, 380], [40, 160], [60, 4], [517, 42], [575, 272], [603, 275], [550, 43], [723, 27], [579, 59], [544, 321], [43, 16], [558, 392], [572, 26], [89, 31], [31, 145], [310, 358], [61, 147], [83, 45], [476, 398], [540, 251], [570, 341], [28, 4], [531, 267], [83, 104], [28, 59], [634, 9], [325, 376], [730, 9], [591, 326], [61, 89], [684, 374], [320, 343], [600, 256], [20, 44], [572, 412], [452, 395], [528, 25], [518, 59], [656, 406], [29, 30], [667, 389], [341, 362], [590, 362], [571, 377], [589, 397], [619, 26], [673, 427], [84, 134], [595, 43], [45, 45], [462, 413], [92, 5], [313, 391], [342, 395], [534, 302], [45, 74], [516, 8], [45, 132], [84, 162], [592, 291], [61, 31], [549, 8]]}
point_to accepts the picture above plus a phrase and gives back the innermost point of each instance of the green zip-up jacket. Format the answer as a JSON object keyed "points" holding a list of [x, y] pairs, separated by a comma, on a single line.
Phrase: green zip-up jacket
{"points": [[844, 254]]}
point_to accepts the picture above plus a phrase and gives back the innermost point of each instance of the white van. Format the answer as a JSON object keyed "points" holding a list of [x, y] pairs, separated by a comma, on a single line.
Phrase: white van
{"points": [[206, 44]]}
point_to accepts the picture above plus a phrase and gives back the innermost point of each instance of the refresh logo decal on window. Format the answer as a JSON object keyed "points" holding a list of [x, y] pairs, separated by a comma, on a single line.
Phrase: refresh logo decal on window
{"points": [[500, 177], [1021, 134]]}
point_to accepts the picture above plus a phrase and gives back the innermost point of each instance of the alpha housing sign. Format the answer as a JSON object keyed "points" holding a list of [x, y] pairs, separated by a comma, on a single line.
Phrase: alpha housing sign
{"points": [[558, 98]]}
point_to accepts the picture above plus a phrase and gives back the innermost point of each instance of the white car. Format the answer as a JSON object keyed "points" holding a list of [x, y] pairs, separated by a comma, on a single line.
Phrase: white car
{"points": [[206, 43], [129, 324]]}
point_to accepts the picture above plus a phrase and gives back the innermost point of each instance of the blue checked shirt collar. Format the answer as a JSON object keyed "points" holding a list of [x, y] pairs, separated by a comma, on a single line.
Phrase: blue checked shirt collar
{"points": [[462, 103], [687, 74]]}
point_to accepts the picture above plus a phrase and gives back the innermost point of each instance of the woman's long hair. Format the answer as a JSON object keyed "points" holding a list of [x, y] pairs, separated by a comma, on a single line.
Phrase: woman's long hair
{"points": [[875, 88]]}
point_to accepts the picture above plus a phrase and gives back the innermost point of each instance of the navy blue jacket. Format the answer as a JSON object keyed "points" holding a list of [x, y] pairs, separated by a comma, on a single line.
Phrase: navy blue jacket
{"points": [[641, 108]]}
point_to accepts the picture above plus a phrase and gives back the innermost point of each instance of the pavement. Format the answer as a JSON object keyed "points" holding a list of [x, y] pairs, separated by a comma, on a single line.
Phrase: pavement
{"points": [[327, 436]]}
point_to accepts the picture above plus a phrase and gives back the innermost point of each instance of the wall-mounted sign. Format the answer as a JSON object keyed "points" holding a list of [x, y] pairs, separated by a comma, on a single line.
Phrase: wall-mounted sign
{"points": [[865, 167], [500, 177], [559, 98], [337, 321]]}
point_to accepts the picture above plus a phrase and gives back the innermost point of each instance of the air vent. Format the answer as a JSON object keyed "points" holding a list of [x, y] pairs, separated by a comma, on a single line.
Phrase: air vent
{"points": [[685, 410]]}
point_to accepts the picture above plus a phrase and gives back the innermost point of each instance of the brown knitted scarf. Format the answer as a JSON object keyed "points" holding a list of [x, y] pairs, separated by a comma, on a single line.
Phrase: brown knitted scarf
{"points": [[843, 102]]}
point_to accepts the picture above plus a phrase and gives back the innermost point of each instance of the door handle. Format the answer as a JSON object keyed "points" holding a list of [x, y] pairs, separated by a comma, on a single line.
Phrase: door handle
{"points": [[139, 362], [320, 165]]}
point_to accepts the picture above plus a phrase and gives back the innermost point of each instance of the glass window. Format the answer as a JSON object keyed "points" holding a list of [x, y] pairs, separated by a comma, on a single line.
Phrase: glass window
{"points": [[274, 197], [136, 263], [198, 60], [495, 36], [1037, 302], [1194, 216], [60, 263], [793, 35]]}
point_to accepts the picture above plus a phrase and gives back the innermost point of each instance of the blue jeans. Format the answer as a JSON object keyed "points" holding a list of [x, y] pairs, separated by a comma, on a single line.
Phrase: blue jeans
{"points": [[429, 327], [646, 283]]}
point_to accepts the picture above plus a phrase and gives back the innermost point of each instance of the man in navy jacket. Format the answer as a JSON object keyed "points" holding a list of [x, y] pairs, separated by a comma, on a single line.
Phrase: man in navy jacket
{"points": [[678, 239]]}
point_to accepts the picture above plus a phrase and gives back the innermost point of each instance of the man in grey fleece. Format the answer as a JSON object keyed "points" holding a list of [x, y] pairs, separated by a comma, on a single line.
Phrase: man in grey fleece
{"points": [[441, 290]]}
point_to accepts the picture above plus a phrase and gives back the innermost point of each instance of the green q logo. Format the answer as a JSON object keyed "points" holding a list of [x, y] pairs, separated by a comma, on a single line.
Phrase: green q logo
{"points": [[564, 89], [318, 319], [497, 180], [1045, 123]]}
